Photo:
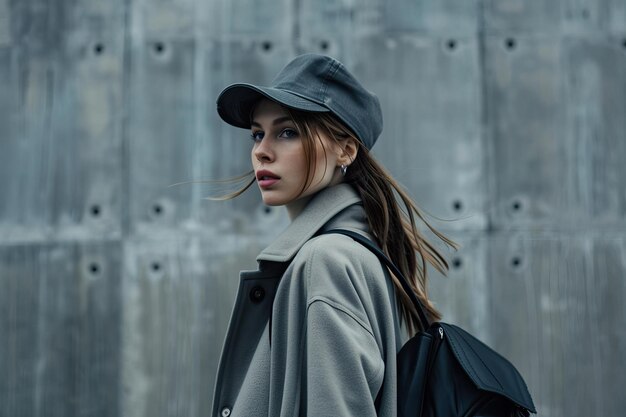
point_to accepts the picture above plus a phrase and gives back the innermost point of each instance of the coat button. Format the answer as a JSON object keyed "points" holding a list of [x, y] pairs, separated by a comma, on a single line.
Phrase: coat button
{"points": [[225, 412], [257, 294]]}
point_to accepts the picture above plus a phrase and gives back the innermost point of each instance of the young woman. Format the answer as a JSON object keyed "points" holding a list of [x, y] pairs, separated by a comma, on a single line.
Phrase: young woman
{"points": [[315, 330]]}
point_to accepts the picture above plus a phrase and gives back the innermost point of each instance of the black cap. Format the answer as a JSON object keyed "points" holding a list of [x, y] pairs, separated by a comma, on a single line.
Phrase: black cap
{"points": [[313, 83]]}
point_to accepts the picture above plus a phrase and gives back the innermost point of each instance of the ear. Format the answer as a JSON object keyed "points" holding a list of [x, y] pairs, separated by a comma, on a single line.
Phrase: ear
{"points": [[350, 149]]}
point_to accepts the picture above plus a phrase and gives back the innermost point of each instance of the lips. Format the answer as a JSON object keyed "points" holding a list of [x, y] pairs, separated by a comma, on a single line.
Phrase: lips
{"points": [[266, 178]]}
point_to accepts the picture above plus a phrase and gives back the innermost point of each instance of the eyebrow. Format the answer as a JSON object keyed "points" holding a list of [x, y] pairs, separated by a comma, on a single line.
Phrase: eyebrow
{"points": [[275, 122]]}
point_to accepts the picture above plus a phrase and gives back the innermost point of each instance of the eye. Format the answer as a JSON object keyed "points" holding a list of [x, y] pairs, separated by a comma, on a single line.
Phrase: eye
{"points": [[257, 136], [288, 133]]}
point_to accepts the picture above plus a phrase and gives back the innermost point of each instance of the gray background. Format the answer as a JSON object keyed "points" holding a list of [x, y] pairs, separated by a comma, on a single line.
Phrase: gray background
{"points": [[504, 118]]}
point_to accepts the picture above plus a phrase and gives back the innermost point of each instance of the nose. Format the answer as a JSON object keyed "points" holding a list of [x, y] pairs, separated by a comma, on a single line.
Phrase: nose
{"points": [[263, 151]]}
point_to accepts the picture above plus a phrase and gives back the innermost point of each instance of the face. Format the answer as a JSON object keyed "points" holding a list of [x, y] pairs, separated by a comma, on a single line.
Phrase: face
{"points": [[279, 159]]}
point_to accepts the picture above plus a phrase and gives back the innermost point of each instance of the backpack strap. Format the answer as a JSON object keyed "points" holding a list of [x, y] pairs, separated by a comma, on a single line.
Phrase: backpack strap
{"points": [[396, 271]]}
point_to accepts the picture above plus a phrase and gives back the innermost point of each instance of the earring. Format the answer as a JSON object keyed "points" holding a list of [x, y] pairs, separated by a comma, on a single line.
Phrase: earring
{"points": [[344, 168]]}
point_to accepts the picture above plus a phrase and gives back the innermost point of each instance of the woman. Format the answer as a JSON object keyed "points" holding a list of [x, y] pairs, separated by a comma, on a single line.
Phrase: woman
{"points": [[315, 330]]}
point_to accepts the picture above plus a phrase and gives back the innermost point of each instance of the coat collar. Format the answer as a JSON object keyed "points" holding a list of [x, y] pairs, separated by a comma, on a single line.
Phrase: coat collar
{"points": [[325, 205]]}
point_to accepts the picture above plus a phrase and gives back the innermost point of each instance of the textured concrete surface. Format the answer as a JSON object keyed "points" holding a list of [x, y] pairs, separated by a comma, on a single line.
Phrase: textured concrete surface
{"points": [[504, 118]]}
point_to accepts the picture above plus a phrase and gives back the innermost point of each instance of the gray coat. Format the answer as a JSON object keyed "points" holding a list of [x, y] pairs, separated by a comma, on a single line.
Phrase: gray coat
{"points": [[314, 331]]}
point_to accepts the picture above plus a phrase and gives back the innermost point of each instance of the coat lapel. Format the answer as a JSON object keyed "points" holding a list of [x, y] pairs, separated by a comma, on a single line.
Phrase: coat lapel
{"points": [[322, 207]]}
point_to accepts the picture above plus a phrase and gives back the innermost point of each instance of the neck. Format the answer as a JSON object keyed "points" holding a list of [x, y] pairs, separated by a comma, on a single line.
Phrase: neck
{"points": [[295, 207]]}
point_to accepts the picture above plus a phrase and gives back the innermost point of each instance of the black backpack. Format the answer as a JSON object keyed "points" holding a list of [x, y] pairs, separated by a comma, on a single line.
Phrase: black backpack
{"points": [[446, 372]]}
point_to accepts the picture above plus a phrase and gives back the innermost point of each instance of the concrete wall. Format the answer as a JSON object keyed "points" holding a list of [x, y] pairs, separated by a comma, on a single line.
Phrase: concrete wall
{"points": [[506, 116]]}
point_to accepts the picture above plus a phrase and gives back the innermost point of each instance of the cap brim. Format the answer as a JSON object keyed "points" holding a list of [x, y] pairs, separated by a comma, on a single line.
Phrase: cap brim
{"points": [[236, 101]]}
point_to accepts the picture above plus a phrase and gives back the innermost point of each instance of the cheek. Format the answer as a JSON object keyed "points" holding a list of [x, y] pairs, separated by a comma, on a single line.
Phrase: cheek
{"points": [[325, 162], [294, 160]]}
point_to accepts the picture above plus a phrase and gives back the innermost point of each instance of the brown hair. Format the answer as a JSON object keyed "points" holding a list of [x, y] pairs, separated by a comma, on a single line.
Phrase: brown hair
{"points": [[393, 227]]}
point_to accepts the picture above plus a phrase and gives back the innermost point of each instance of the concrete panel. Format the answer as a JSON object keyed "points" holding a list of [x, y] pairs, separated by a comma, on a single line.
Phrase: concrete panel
{"points": [[431, 99], [526, 125], [60, 316], [160, 131], [86, 154], [557, 313], [553, 16], [63, 114], [595, 83], [553, 109], [178, 296], [25, 137]]}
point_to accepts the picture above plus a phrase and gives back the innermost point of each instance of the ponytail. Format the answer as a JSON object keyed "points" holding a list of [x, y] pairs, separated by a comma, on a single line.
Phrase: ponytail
{"points": [[391, 214]]}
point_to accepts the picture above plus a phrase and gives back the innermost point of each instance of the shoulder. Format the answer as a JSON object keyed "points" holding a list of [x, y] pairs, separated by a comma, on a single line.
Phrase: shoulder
{"points": [[338, 252], [336, 266], [335, 272]]}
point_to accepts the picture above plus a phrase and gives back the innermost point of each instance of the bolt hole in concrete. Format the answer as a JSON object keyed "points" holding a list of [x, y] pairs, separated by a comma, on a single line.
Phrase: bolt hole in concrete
{"points": [[266, 46], [516, 262], [157, 209], [624, 43], [517, 205], [510, 44], [457, 205], [324, 45], [457, 263], [98, 48], [94, 268], [156, 266], [95, 210], [451, 44], [267, 210], [159, 47]]}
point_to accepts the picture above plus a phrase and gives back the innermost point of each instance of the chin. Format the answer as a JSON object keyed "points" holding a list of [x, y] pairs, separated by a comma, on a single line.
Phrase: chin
{"points": [[273, 203], [273, 200]]}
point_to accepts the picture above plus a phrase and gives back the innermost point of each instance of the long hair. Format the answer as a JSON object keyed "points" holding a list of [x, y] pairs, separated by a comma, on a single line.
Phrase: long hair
{"points": [[390, 211]]}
